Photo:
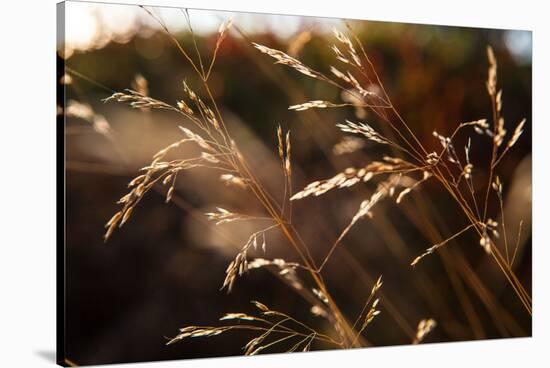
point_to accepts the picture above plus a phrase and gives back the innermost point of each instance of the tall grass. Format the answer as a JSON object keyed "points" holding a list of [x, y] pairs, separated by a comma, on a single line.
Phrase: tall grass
{"points": [[406, 167]]}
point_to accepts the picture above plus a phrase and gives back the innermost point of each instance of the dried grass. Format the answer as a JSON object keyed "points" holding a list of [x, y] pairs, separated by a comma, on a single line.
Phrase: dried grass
{"points": [[219, 152], [442, 166]]}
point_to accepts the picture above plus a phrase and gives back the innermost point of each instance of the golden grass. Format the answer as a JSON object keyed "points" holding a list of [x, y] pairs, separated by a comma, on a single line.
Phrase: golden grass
{"points": [[206, 128]]}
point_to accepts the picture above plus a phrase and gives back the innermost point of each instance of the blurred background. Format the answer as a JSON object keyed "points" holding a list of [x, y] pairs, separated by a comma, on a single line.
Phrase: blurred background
{"points": [[164, 268]]}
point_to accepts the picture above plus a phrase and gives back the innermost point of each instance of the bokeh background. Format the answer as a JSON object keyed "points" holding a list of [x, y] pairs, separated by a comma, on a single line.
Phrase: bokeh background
{"points": [[164, 269]]}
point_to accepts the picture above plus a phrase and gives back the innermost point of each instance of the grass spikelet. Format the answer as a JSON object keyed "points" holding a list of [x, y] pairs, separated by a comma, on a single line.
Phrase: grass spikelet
{"points": [[282, 58], [196, 138], [349, 45], [288, 156], [239, 265], [352, 176], [223, 29], [223, 216], [369, 305], [364, 129], [138, 100], [348, 144], [425, 326], [517, 133], [238, 316], [319, 104], [319, 294], [338, 74], [182, 105], [230, 179], [492, 73], [280, 146]]}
